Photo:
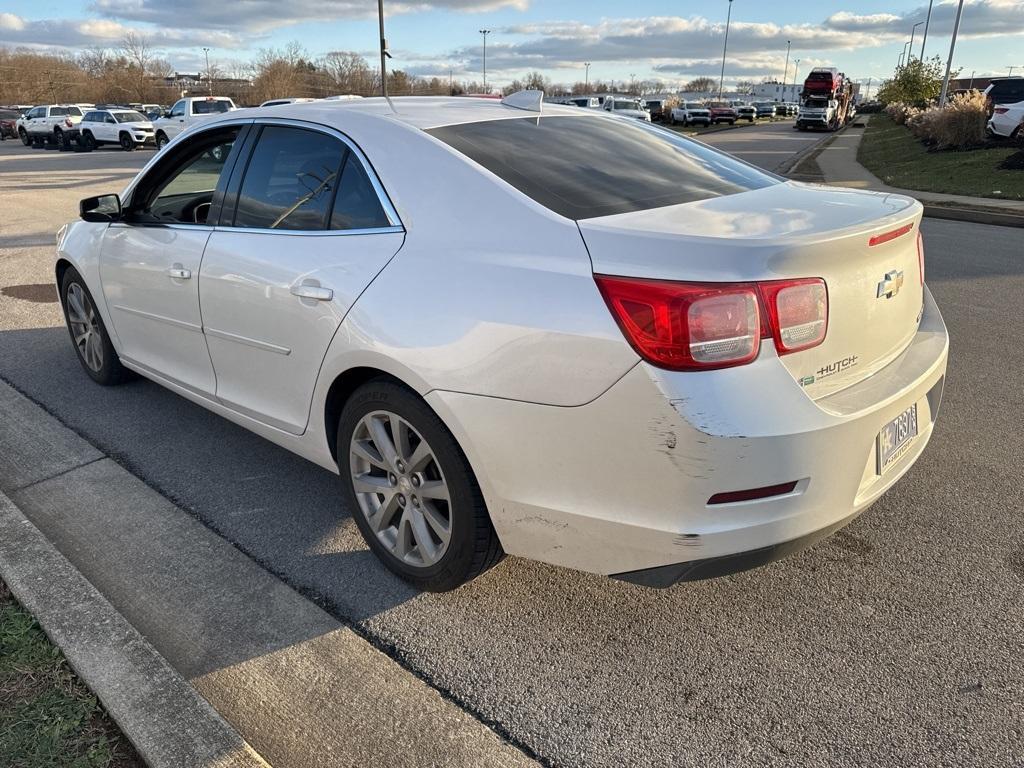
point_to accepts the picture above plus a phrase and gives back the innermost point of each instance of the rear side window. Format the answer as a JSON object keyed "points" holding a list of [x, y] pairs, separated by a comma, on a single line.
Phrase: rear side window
{"points": [[356, 205], [75, 111], [58, 111], [92, 117], [583, 167], [290, 180]]}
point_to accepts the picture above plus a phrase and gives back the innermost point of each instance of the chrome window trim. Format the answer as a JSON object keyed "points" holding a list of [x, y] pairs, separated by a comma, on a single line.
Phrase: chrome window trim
{"points": [[311, 232]]}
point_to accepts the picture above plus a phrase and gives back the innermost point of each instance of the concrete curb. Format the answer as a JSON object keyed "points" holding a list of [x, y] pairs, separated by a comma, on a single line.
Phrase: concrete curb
{"points": [[163, 716]]}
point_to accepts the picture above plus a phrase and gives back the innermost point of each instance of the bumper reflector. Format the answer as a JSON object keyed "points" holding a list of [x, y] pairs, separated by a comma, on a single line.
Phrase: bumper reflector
{"points": [[731, 497]]}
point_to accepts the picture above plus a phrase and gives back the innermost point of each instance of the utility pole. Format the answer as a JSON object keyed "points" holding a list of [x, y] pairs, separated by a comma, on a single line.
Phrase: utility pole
{"points": [[971, 86], [868, 93], [451, 86], [632, 84], [384, 55], [912, 31], [785, 74], [485, 33], [586, 77], [209, 79], [1012, 67], [952, 48], [725, 48], [927, 21]]}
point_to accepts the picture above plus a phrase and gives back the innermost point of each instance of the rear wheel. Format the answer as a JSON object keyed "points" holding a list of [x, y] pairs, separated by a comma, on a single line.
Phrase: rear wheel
{"points": [[127, 142], [88, 333], [413, 493], [59, 139]]}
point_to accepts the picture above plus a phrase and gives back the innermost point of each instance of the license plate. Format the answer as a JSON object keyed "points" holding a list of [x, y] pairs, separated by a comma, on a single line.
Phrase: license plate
{"points": [[895, 438]]}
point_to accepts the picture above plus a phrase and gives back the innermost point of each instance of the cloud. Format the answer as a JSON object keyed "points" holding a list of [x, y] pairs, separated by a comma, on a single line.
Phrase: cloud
{"points": [[981, 18], [265, 15], [77, 33]]}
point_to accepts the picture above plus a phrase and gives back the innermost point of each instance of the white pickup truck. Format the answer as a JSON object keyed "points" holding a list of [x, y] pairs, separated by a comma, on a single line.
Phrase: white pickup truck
{"points": [[49, 123], [187, 112]]}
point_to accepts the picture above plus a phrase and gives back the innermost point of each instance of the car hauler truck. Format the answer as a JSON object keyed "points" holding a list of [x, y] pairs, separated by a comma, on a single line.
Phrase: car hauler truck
{"points": [[826, 100]]}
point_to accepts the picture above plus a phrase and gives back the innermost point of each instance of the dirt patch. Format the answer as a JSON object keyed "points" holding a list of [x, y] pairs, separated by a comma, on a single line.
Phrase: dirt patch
{"points": [[40, 293]]}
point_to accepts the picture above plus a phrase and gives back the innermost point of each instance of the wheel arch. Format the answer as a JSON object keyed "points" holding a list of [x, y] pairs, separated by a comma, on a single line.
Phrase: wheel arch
{"points": [[339, 392]]}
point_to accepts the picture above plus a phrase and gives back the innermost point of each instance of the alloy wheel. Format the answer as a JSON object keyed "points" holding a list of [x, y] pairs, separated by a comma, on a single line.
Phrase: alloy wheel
{"points": [[85, 327], [400, 488]]}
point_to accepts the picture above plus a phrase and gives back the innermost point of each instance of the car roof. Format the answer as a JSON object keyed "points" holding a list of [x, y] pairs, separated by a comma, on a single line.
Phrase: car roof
{"points": [[421, 112]]}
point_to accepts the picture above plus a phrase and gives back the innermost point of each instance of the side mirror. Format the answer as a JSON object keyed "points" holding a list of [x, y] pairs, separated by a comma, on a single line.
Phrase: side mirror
{"points": [[102, 208]]}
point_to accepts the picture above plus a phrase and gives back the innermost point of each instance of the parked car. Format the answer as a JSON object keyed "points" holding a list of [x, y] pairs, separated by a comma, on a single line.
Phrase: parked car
{"points": [[9, 123], [1004, 90], [626, 106], [591, 405], [49, 123], [1007, 120], [278, 102], [124, 127], [587, 102], [746, 112], [690, 113], [765, 109], [186, 112], [721, 112], [659, 109]]}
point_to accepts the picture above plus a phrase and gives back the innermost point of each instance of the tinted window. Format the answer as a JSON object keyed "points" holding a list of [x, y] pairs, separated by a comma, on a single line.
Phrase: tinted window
{"points": [[581, 167], [290, 180], [210, 107], [178, 110], [92, 117], [74, 111], [37, 112], [58, 111], [356, 205]]}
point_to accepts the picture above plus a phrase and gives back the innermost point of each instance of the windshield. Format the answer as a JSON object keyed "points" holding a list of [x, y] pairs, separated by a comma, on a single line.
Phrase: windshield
{"points": [[816, 104], [635, 105], [130, 117], [582, 167], [694, 105], [210, 107]]}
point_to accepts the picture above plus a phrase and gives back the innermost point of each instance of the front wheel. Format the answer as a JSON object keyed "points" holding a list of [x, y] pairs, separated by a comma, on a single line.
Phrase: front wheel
{"points": [[88, 333], [127, 142], [161, 140], [23, 135], [413, 494], [88, 141]]}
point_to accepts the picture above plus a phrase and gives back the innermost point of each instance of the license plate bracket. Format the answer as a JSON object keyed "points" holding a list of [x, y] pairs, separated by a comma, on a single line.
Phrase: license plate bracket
{"points": [[896, 438]]}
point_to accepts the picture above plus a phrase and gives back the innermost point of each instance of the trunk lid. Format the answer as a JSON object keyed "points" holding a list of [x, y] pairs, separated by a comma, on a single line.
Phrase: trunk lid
{"points": [[786, 231]]}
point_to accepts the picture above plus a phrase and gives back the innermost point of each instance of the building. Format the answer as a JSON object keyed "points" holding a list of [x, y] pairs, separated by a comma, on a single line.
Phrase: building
{"points": [[776, 91]]}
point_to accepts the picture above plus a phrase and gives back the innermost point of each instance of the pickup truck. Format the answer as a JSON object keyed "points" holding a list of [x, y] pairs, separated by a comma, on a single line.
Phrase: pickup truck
{"points": [[49, 123], [186, 112]]}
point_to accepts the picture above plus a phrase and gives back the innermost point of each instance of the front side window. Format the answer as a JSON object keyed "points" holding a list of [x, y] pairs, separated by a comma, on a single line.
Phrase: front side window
{"points": [[37, 112], [583, 167], [108, 118], [181, 191], [178, 110]]}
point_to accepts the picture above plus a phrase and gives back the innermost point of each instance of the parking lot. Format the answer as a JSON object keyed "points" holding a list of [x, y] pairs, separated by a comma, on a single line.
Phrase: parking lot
{"points": [[895, 642]]}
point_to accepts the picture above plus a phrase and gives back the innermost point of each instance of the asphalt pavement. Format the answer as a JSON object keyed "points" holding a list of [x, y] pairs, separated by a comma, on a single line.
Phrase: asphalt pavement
{"points": [[895, 642], [766, 145]]}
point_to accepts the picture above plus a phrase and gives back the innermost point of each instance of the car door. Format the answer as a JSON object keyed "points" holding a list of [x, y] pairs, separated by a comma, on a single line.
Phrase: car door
{"points": [[109, 127], [32, 119], [174, 123], [311, 227], [149, 262]]}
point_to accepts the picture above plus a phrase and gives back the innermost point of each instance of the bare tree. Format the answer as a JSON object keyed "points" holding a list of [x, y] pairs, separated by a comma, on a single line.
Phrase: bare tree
{"points": [[701, 85]]}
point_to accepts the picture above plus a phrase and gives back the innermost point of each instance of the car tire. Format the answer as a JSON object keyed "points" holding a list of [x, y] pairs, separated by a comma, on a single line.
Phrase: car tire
{"points": [[161, 140], [404, 530], [127, 142], [23, 135], [60, 140], [732, 122], [88, 141], [88, 333]]}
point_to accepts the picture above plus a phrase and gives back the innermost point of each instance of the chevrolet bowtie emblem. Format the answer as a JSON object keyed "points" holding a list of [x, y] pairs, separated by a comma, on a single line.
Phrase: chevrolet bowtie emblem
{"points": [[891, 284]]}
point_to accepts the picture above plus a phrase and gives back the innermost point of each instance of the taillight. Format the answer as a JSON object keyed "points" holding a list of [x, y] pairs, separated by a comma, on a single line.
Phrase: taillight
{"points": [[797, 312], [1001, 110], [68, 123], [920, 256], [699, 326], [686, 326]]}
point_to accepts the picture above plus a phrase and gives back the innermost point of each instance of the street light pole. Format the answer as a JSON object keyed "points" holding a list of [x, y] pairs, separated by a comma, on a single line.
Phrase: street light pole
{"points": [[485, 33], [586, 77], [952, 48], [785, 74], [725, 48], [912, 31], [209, 80], [927, 21], [1012, 67]]}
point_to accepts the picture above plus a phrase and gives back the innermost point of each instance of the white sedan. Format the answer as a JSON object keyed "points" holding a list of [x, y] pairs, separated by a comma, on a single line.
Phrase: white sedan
{"points": [[557, 334], [1007, 120]]}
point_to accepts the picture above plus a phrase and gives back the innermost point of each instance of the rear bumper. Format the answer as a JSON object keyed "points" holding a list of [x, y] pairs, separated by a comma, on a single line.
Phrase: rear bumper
{"points": [[622, 484]]}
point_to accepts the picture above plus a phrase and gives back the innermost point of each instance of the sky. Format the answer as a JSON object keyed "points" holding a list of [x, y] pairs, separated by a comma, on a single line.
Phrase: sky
{"points": [[647, 39]]}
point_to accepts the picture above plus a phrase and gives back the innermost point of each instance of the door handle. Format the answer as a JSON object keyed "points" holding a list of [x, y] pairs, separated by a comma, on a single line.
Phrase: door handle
{"points": [[179, 273], [316, 292]]}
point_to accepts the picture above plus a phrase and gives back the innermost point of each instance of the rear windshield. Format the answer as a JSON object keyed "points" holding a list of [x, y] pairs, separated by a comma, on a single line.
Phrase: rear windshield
{"points": [[210, 107], [582, 167]]}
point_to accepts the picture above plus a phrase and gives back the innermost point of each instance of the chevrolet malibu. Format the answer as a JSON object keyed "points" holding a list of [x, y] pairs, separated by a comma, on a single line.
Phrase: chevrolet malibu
{"points": [[523, 328]]}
